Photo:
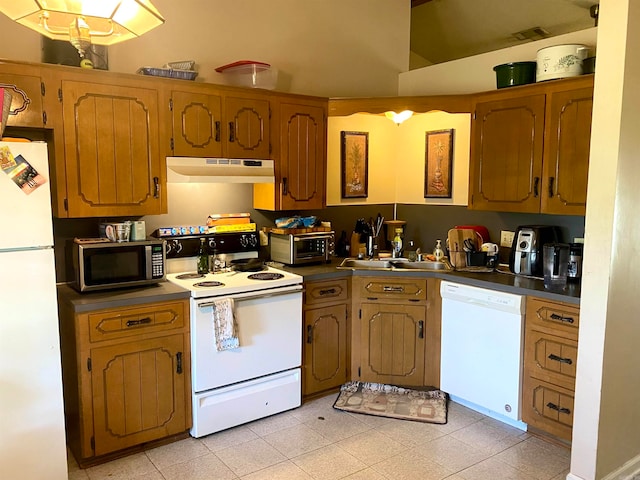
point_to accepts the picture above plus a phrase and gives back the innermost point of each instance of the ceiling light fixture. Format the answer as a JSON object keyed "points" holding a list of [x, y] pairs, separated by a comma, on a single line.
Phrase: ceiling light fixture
{"points": [[398, 118], [83, 22]]}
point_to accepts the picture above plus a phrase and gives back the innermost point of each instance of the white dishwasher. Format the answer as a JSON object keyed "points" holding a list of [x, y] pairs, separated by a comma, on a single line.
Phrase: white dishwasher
{"points": [[481, 350]]}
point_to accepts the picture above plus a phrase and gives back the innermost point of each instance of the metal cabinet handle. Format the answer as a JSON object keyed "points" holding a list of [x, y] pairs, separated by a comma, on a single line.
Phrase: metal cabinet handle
{"points": [[561, 318], [551, 179], [141, 321], [156, 184], [232, 132], [556, 358], [284, 186], [421, 329], [179, 363], [555, 407], [536, 181], [309, 334], [328, 291], [217, 126], [392, 288]]}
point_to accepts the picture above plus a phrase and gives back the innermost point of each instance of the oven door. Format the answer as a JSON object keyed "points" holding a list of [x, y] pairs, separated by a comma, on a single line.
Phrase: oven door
{"points": [[269, 331]]}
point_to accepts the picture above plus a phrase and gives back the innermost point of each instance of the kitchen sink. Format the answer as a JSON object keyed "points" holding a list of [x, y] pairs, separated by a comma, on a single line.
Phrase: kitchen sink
{"points": [[392, 264], [371, 263], [425, 265]]}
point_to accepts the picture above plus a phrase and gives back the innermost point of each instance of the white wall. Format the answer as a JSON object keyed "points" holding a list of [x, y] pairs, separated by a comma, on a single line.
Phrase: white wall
{"points": [[475, 74], [606, 437], [321, 47], [397, 157]]}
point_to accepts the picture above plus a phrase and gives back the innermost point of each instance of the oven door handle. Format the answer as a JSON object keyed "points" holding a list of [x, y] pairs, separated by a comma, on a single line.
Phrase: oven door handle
{"points": [[256, 295]]}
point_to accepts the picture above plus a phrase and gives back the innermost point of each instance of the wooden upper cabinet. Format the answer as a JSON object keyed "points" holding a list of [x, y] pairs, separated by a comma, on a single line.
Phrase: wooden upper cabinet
{"points": [[566, 165], [113, 163], [302, 158], [506, 154], [247, 126], [197, 124], [27, 90], [530, 148]]}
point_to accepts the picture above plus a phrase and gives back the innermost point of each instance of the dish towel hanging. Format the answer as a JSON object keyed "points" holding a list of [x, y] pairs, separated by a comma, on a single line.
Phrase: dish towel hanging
{"points": [[225, 327]]}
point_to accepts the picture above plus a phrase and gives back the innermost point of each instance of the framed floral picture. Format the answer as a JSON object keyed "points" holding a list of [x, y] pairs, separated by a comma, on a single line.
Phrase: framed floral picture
{"points": [[354, 156], [438, 164]]}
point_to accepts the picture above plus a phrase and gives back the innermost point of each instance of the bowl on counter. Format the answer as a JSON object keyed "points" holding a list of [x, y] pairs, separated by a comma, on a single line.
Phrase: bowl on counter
{"points": [[515, 73]]}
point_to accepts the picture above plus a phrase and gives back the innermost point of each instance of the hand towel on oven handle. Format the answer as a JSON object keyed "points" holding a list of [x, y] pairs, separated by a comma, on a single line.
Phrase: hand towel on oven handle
{"points": [[225, 327]]}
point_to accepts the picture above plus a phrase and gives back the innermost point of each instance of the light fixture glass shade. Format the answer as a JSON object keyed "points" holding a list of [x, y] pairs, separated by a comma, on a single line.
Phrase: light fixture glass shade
{"points": [[398, 118], [109, 21]]}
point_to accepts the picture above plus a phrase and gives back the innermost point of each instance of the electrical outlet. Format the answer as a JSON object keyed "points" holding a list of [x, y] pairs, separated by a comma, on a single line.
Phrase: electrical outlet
{"points": [[578, 240], [506, 238]]}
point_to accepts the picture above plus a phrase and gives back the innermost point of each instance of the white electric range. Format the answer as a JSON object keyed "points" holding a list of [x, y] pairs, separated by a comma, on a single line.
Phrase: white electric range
{"points": [[263, 375]]}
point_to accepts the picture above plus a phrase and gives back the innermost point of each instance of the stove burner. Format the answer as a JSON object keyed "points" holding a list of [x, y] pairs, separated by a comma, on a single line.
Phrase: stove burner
{"points": [[210, 283], [265, 276], [189, 276]]}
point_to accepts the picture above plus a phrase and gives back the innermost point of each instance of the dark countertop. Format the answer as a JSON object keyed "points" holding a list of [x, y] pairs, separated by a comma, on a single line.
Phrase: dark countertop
{"points": [[497, 280], [86, 302]]}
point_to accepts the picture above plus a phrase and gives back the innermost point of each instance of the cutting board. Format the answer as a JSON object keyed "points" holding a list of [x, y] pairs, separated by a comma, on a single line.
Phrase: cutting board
{"points": [[455, 244]]}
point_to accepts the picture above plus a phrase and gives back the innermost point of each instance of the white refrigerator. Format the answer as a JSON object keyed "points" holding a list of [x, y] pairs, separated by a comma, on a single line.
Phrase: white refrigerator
{"points": [[32, 435]]}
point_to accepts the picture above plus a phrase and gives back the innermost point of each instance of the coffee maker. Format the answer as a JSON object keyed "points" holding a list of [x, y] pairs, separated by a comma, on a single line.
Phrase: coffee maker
{"points": [[526, 256]]}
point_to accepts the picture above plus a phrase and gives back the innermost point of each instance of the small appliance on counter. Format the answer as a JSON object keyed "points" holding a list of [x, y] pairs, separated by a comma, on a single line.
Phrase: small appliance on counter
{"points": [[556, 262], [301, 248], [527, 249], [574, 271]]}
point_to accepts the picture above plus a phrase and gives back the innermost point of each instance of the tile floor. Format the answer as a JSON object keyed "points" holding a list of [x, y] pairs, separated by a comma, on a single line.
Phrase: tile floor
{"points": [[318, 442]]}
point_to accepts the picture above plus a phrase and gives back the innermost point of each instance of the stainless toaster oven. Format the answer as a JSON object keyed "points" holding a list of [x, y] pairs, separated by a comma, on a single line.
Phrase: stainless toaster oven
{"points": [[301, 248]]}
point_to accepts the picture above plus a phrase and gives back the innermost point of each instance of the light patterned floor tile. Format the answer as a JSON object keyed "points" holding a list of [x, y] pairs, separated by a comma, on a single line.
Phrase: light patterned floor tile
{"points": [[371, 447], [411, 434], [410, 466], [228, 438], [367, 474], [493, 469], [451, 453], [490, 436], [280, 471], [329, 463], [127, 468], [272, 424], [317, 407], [296, 440], [535, 457], [561, 475], [249, 457], [177, 452], [336, 425], [205, 467]]}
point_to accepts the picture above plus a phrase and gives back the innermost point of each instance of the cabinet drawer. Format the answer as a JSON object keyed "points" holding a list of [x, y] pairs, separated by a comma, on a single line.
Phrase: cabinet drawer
{"points": [[553, 317], [547, 407], [551, 358], [393, 288], [120, 323], [328, 291]]}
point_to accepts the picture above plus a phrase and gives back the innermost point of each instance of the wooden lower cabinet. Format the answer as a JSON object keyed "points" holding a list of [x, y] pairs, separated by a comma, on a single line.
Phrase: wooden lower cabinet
{"points": [[396, 331], [551, 351], [325, 336], [126, 376]]}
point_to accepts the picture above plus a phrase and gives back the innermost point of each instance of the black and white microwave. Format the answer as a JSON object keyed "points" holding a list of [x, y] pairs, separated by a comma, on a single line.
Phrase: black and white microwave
{"points": [[107, 265]]}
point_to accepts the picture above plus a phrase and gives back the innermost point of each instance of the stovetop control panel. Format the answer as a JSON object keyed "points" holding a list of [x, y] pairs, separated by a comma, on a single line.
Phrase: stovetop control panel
{"points": [[180, 246]]}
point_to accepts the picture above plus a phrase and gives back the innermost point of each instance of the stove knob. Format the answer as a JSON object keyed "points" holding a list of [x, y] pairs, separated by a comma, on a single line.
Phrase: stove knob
{"points": [[174, 247], [253, 240], [212, 243], [244, 241]]}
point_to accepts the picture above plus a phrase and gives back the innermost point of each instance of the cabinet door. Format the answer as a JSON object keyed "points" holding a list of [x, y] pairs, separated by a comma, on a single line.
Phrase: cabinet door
{"points": [[247, 127], [138, 392], [26, 99], [392, 344], [302, 156], [196, 124], [325, 348], [547, 407], [506, 155], [566, 160], [113, 162]]}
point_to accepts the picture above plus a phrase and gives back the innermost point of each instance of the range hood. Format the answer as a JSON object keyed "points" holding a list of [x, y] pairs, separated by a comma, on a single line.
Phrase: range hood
{"points": [[219, 170]]}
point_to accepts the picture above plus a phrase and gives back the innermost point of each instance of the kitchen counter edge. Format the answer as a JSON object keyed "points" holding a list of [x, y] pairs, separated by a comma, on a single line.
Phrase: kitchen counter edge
{"points": [[503, 282], [91, 301]]}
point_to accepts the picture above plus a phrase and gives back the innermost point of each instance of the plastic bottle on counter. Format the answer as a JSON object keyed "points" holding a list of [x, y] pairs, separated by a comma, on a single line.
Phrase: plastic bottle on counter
{"points": [[397, 243], [438, 252], [203, 258]]}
